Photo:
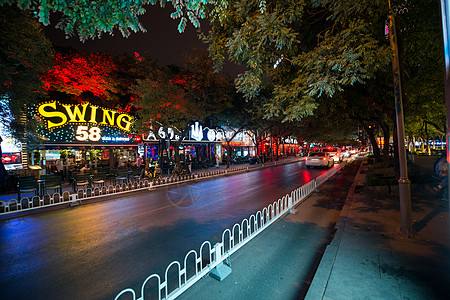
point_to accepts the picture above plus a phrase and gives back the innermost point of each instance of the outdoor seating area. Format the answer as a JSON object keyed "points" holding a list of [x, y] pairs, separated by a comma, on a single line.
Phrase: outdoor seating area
{"points": [[26, 185]]}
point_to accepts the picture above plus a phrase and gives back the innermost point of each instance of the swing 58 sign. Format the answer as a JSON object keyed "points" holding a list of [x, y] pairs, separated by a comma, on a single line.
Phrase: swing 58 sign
{"points": [[88, 119]]}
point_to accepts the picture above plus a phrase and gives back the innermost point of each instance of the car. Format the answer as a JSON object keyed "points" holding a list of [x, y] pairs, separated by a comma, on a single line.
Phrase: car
{"points": [[335, 153], [319, 159], [345, 152]]}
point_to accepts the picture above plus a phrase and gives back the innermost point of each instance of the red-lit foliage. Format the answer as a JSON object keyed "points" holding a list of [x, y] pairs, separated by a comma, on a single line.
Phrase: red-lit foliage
{"points": [[76, 73]]}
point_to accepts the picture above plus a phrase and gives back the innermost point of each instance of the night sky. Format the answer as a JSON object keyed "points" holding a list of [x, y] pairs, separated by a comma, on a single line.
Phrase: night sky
{"points": [[162, 39]]}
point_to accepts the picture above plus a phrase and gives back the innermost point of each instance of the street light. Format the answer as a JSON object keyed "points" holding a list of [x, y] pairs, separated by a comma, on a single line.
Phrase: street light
{"points": [[403, 182], [445, 14]]}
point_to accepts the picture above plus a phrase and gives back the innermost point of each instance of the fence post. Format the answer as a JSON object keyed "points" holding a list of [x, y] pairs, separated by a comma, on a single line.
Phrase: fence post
{"points": [[73, 200], [291, 210], [221, 271]]}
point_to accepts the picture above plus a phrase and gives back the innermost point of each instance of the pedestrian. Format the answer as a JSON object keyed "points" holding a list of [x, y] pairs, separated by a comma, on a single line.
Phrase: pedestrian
{"points": [[217, 160], [189, 162], [59, 168], [84, 167], [122, 162], [442, 173], [139, 164]]}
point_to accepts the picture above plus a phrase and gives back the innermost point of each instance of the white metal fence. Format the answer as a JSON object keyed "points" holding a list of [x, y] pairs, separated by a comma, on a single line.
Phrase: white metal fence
{"points": [[232, 240]]}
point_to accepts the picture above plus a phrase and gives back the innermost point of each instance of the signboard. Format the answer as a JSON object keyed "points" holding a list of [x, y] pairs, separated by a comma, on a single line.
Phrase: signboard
{"points": [[57, 115], [83, 122], [197, 133]]}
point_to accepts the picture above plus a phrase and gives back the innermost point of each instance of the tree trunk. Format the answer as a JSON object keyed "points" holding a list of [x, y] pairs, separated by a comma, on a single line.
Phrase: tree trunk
{"points": [[228, 154], [386, 137], [373, 141]]}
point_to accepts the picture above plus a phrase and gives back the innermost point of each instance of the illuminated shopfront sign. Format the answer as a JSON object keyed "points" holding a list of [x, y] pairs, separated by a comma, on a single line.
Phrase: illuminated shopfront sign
{"points": [[57, 115], [196, 133], [83, 122]]}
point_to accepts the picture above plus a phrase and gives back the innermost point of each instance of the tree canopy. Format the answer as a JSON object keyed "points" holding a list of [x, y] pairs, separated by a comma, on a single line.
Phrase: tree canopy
{"points": [[79, 73], [175, 97], [91, 19], [25, 54], [304, 48]]}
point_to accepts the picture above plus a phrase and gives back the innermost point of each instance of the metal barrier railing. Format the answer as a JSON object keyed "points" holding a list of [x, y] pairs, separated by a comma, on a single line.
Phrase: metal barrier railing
{"points": [[232, 240], [25, 204]]}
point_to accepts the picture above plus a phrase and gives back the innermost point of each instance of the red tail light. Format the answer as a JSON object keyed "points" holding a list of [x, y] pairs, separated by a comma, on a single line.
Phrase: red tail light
{"points": [[324, 158]]}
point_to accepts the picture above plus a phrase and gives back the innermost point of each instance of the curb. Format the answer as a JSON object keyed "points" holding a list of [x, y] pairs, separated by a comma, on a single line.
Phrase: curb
{"points": [[322, 275]]}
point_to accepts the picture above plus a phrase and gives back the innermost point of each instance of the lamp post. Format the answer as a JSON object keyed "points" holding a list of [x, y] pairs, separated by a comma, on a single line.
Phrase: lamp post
{"points": [[403, 182], [445, 14]]}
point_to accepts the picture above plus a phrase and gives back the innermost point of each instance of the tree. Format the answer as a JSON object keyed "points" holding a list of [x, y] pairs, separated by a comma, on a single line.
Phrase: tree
{"points": [[91, 19], [175, 98], [25, 54], [423, 63], [83, 77], [305, 48], [233, 120]]}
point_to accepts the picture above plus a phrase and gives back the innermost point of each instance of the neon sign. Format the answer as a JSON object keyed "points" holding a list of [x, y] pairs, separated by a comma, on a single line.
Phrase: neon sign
{"points": [[197, 133], [85, 133], [58, 115]]}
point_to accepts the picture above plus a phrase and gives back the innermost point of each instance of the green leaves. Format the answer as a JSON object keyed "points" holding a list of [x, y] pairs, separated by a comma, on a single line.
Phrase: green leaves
{"points": [[25, 54], [91, 19], [326, 45]]}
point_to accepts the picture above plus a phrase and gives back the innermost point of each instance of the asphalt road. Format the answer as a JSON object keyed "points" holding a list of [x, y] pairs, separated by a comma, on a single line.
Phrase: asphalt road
{"points": [[94, 251]]}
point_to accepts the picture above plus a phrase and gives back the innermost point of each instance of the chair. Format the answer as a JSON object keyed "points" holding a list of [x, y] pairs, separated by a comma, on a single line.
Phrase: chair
{"points": [[136, 173], [98, 178], [122, 176], [80, 180], [111, 174], [26, 184], [53, 183]]}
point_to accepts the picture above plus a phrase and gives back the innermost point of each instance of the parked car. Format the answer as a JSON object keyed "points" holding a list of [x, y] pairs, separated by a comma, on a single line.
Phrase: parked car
{"points": [[335, 153], [319, 159]]}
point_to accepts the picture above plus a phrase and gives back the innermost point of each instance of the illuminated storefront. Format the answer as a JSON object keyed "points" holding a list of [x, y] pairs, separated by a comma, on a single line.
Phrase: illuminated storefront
{"points": [[201, 143], [241, 145], [11, 153], [83, 132], [12, 156]]}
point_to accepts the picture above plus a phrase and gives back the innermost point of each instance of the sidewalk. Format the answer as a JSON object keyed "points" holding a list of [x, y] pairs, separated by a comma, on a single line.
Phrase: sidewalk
{"points": [[366, 258], [370, 259], [280, 262]]}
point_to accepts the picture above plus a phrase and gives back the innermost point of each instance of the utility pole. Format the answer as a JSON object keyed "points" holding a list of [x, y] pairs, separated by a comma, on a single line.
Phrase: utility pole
{"points": [[445, 13], [403, 182]]}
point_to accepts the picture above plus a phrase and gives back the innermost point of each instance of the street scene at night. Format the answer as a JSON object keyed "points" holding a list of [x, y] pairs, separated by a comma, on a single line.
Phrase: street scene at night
{"points": [[224, 149]]}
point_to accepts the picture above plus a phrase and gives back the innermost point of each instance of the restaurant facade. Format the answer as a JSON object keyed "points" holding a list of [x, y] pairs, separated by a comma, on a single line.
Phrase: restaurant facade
{"points": [[99, 136], [82, 133], [202, 143]]}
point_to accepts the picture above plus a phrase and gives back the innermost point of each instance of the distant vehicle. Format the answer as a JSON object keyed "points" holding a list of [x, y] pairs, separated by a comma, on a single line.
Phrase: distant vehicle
{"points": [[362, 151], [346, 152], [335, 153], [319, 159]]}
